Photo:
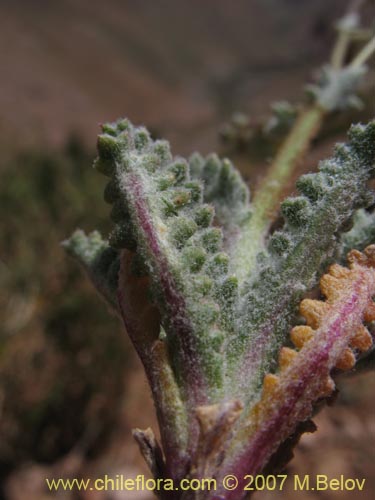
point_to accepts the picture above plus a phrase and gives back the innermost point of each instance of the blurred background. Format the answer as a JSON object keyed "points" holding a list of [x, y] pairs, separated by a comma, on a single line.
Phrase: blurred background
{"points": [[71, 387]]}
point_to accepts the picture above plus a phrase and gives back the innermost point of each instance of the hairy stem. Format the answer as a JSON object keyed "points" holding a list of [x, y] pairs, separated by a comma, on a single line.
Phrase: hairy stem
{"points": [[142, 323], [303, 376], [364, 55], [267, 198]]}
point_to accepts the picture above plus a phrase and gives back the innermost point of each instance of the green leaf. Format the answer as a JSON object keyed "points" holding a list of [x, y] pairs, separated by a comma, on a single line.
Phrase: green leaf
{"points": [[297, 255]]}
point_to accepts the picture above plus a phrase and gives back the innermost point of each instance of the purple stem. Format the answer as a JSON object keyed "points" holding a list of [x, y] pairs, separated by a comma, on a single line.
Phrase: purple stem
{"points": [[300, 386], [175, 456], [179, 326]]}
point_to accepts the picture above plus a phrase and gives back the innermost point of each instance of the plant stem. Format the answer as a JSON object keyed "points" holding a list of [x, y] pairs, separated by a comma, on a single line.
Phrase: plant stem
{"points": [[340, 50], [267, 197], [285, 399], [365, 54]]}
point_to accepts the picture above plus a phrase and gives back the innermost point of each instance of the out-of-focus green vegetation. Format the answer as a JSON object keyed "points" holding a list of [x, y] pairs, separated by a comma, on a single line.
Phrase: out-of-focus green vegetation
{"points": [[62, 357]]}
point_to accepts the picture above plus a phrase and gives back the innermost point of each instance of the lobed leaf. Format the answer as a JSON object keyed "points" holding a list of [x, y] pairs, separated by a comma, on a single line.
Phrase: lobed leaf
{"points": [[337, 88], [296, 255], [100, 261], [303, 377], [159, 213], [225, 189]]}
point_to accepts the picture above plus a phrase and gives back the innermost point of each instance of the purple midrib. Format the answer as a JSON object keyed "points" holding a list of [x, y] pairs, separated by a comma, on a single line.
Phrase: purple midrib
{"points": [[313, 368]]}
